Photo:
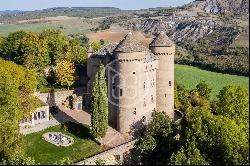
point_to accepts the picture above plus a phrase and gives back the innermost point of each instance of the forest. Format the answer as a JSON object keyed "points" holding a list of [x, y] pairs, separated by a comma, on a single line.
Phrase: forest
{"points": [[214, 132]]}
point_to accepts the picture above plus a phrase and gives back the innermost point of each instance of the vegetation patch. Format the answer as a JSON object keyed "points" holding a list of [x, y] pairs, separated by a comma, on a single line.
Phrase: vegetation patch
{"points": [[46, 153], [190, 76]]}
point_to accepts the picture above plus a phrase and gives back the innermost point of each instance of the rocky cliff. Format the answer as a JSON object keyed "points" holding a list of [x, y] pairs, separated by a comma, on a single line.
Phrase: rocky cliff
{"points": [[224, 6], [181, 29]]}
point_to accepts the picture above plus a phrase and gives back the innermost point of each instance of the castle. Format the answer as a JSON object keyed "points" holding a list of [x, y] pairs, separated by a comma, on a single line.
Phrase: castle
{"points": [[140, 80]]}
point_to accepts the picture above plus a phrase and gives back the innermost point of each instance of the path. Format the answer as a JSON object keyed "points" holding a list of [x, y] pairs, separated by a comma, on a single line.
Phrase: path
{"points": [[112, 139]]}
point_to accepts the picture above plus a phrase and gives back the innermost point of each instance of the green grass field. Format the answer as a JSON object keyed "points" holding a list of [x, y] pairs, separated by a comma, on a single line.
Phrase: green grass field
{"points": [[47, 153], [190, 76], [5, 29], [66, 26]]}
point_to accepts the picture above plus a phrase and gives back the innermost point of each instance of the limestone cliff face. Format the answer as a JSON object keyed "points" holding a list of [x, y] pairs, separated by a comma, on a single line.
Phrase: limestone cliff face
{"points": [[223, 6], [197, 20], [183, 28]]}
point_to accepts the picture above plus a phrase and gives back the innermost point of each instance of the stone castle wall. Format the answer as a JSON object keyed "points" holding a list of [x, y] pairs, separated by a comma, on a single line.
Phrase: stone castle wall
{"points": [[110, 156], [134, 91], [57, 98], [136, 85], [165, 79]]}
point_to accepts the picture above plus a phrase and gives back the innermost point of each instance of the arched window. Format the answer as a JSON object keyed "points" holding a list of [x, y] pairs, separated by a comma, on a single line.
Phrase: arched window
{"points": [[120, 92]]}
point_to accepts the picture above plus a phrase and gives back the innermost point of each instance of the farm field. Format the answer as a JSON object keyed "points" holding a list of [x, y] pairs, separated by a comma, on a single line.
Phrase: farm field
{"points": [[67, 25], [190, 76], [241, 41], [46, 153], [114, 35]]}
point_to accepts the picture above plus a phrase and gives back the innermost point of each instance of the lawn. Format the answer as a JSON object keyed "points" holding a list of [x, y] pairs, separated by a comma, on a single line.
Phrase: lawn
{"points": [[47, 153], [190, 76]]}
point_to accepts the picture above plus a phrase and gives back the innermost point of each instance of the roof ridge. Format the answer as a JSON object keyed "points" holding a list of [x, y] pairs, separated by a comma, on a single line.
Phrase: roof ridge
{"points": [[162, 40], [129, 44]]}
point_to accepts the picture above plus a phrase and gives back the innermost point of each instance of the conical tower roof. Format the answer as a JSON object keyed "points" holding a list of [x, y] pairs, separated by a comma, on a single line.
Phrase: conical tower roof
{"points": [[91, 50], [162, 40], [130, 44]]}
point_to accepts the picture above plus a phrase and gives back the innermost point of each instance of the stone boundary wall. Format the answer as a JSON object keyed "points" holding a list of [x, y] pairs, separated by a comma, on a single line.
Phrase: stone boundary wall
{"points": [[109, 155], [56, 98]]}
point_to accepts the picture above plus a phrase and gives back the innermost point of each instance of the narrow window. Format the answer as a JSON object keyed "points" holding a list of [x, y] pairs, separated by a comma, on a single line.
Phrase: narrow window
{"points": [[134, 112], [35, 116], [165, 95], [120, 92], [152, 98], [134, 72], [143, 119], [170, 83], [144, 85], [39, 115]]}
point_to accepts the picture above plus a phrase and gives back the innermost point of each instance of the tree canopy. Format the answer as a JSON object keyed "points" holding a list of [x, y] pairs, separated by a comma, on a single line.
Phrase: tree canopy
{"points": [[212, 132], [16, 87]]}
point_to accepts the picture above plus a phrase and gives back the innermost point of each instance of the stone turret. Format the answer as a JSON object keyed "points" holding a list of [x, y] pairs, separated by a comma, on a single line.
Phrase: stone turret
{"points": [[129, 55], [90, 51], [164, 48]]}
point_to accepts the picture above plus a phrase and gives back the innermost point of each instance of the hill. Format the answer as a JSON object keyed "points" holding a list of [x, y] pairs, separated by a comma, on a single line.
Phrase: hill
{"points": [[213, 32]]}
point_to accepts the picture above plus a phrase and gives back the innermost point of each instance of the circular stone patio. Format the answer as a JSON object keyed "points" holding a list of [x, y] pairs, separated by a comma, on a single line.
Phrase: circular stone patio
{"points": [[58, 139]]}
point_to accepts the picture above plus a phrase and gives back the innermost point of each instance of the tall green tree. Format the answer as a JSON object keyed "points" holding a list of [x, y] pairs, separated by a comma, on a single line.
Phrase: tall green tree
{"points": [[16, 85], [34, 52], [158, 144], [189, 155], [217, 137], [10, 45], [65, 73], [233, 102], [99, 106], [204, 90]]}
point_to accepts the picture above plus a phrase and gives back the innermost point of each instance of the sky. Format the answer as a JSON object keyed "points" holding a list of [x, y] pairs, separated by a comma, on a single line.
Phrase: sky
{"points": [[122, 4]]}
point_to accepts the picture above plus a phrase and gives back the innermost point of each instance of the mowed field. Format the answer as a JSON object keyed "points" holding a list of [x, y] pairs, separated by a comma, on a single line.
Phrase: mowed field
{"points": [[241, 41], [190, 76], [68, 25]]}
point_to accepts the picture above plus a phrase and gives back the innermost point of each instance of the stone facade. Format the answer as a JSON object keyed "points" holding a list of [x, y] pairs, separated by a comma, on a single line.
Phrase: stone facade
{"points": [[139, 80], [73, 97], [40, 115]]}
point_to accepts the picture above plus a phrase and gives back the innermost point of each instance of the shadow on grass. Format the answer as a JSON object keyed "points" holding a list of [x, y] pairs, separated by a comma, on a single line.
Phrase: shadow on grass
{"points": [[77, 129]]}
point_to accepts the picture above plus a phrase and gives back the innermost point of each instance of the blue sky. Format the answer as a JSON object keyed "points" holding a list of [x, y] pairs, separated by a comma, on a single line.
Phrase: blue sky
{"points": [[123, 4]]}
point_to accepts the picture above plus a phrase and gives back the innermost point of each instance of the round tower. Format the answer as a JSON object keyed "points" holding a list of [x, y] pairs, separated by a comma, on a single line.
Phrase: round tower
{"points": [[164, 48], [128, 83]]}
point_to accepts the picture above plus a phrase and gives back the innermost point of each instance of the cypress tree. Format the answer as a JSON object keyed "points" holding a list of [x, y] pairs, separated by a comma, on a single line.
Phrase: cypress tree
{"points": [[99, 106], [103, 105]]}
